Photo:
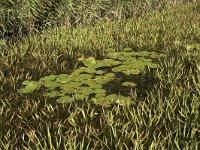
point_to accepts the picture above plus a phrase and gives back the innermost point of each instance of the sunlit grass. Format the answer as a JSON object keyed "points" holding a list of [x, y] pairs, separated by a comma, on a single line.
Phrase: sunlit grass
{"points": [[166, 117]]}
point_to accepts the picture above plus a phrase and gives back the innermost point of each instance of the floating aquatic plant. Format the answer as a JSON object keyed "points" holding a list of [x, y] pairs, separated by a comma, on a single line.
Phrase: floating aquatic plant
{"points": [[30, 86], [129, 84], [91, 80]]}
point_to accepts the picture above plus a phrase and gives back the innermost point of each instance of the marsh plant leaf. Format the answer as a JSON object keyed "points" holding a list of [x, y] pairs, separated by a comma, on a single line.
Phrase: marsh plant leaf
{"points": [[67, 90], [30, 86], [92, 63], [85, 70], [88, 62], [48, 78], [107, 63], [127, 55], [127, 49], [104, 79], [94, 85], [99, 72], [116, 56], [53, 94], [112, 99], [129, 84], [127, 69], [65, 99], [63, 78], [100, 92]]}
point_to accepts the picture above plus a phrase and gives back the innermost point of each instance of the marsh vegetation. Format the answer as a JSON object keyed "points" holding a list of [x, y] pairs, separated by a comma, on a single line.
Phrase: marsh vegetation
{"points": [[88, 74]]}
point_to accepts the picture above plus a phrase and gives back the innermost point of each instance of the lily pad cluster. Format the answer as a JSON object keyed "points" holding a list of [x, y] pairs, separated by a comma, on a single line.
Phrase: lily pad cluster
{"points": [[90, 80], [133, 62]]}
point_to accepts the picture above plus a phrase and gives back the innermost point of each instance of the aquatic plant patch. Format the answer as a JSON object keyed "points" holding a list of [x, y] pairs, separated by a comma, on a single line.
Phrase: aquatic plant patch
{"points": [[93, 79]]}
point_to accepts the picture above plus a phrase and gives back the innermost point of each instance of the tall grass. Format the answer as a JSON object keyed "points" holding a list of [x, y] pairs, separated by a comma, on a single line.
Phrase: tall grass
{"points": [[166, 118], [20, 17]]}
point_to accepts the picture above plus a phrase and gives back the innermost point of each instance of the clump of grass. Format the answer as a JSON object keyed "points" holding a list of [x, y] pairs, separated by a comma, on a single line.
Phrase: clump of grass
{"points": [[20, 17]]}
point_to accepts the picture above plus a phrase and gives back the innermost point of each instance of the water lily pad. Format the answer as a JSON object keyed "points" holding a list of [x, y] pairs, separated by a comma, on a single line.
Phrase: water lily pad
{"points": [[48, 78], [128, 49], [110, 75], [111, 99], [63, 78], [89, 62], [80, 96], [65, 99], [51, 85], [132, 72], [53, 94], [95, 85], [153, 65], [30, 86], [88, 70], [101, 102], [100, 95], [67, 89], [104, 79], [85, 90], [142, 53], [129, 84], [127, 69], [107, 63], [99, 72], [113, 55]]}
